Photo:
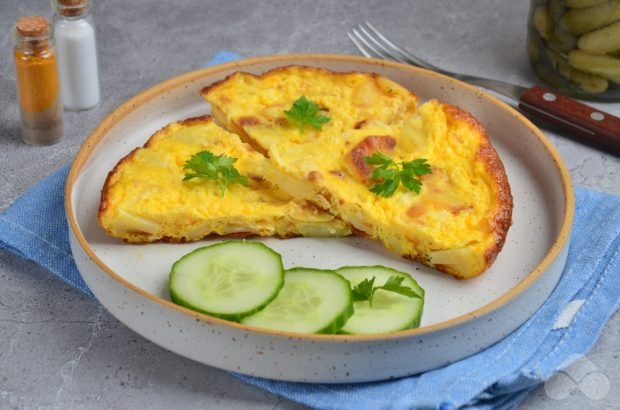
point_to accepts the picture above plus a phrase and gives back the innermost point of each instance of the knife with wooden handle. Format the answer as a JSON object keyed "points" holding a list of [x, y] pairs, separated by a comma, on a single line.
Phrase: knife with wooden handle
{"points": [[590, 124]]}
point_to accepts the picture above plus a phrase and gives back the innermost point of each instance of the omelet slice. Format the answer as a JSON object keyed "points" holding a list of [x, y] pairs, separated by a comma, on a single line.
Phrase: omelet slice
{"points": [[145, 199], [456, 224], [253, 106]]}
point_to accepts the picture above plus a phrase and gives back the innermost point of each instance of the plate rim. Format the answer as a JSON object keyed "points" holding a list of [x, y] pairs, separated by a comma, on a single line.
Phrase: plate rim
{"points": [[131, 104]]}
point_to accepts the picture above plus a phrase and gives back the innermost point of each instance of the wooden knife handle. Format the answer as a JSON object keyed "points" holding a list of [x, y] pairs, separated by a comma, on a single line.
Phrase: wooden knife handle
{"points": [[591, 125]]}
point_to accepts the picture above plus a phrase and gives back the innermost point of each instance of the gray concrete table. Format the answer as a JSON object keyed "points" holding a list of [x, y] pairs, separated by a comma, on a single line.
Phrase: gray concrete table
{"points": [[60, 349]]}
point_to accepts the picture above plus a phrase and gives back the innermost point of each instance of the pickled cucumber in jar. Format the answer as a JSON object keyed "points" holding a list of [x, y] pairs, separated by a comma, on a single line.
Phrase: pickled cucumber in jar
{"points": [[574, 45]]}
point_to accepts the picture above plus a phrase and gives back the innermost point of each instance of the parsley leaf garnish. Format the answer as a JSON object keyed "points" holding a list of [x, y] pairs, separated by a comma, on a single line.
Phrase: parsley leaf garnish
{"points": [[219, 168], [305, 112], [391, 174], [365, 290]]}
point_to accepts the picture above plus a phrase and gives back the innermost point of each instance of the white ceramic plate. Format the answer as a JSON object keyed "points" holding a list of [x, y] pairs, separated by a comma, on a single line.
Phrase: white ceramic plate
{"points": [[460, 317]]}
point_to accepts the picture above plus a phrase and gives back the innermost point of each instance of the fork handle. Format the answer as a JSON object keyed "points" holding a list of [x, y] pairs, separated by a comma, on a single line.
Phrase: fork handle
{"points": [[591, 125]]}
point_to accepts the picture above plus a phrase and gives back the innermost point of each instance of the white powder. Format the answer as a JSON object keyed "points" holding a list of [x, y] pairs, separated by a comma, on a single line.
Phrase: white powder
{"points": [[77, 63]]}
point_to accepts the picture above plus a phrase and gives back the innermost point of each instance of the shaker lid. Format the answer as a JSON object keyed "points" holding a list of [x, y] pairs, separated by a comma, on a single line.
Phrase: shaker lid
{"points": [[32, 26], [72, 8]]}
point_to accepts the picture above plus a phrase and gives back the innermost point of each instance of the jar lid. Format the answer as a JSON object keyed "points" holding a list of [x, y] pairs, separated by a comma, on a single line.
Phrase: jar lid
{"points": [[72, 8], [32, 26]]}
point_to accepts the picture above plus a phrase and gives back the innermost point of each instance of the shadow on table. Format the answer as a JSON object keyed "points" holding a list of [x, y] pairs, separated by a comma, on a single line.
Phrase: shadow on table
{"points": [[11, 136]]}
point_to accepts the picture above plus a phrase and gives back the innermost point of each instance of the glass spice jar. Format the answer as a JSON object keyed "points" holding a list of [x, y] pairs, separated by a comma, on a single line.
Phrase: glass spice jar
{"points": [[74, 33], [574, 45], [38, 87]]}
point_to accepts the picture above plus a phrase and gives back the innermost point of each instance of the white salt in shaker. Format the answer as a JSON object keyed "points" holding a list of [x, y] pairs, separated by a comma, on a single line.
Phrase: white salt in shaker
{"points": [[77, 53]]}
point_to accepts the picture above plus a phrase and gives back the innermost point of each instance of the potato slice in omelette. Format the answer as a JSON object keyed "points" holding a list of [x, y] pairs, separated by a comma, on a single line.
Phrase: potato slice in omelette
{"points": [[456, 224], [145, 199]]}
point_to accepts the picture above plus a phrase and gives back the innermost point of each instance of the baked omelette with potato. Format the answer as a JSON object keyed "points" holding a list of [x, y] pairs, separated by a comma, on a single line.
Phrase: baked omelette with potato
{"points": [[458, 221], [145, 197], [353, 100]]}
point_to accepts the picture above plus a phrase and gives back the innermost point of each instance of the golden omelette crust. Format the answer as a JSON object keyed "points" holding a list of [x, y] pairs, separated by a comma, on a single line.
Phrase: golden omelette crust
{"points": [[237, 125], [144, 237], [206, 90], [105, 202], [105, 191], [487, 155]]}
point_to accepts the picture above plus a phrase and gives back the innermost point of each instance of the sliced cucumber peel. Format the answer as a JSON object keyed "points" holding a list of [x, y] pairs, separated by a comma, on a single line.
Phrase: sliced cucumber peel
{"points": [[244, 281], [229, 280], [390, 311], [311, 301]]}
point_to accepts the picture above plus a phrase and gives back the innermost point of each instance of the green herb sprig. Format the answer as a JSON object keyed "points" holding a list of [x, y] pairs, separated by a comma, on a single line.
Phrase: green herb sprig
{"points": [[392, 174], [219, 168], [305, 112], [365, 290]]}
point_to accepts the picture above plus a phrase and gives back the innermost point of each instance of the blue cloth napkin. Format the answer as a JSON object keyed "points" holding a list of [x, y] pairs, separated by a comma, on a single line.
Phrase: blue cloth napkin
{"points": [[500, 377]]}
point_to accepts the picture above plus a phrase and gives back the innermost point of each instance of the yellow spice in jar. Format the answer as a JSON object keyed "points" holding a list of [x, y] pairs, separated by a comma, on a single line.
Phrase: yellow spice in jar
{"points": [[37, 79]]}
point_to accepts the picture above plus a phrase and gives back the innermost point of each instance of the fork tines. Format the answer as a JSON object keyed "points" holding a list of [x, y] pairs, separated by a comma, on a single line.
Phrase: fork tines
{"points": [[372, 43]]}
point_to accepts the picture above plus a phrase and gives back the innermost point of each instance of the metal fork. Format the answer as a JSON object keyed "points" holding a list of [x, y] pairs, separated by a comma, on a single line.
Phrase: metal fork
{"points": [[592, 125], [370, 42]]}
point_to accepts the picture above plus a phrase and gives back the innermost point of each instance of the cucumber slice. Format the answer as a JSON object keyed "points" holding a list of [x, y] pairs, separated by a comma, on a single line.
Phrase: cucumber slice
{"points": [[390, 312], [311, 301], [229, 280]]}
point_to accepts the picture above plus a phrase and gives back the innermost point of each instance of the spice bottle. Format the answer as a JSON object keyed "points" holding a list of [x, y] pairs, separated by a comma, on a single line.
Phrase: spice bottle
{"points": [[77, 53], [38, 87]]}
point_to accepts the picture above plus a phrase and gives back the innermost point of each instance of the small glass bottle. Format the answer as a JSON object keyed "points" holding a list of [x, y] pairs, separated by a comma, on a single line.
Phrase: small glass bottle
{"points": [[74, 32], [38, 88]]}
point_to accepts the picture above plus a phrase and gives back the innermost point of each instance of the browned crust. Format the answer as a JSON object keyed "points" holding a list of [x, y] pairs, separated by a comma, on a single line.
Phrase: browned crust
{"points": [[501, 219], [314, 176], [360, 124], [243, 121], [366, 148], [104, 202], [238, 235], [193, 120], [237, 128], [274, 71]]}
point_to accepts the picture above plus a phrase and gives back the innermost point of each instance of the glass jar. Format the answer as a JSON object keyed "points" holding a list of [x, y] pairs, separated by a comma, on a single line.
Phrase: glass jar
{"points": [[574, 45], [38, 88], [74, 32]]}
